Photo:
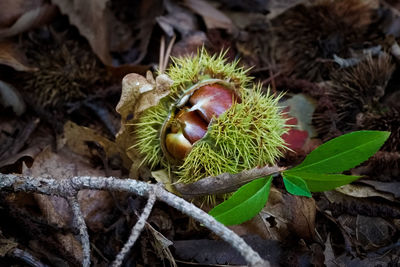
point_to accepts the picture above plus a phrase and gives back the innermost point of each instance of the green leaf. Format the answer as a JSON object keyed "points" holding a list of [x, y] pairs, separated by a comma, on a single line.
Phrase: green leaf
{"points": [[318, 182], [244, 204], [295, 185], [343, 153]]}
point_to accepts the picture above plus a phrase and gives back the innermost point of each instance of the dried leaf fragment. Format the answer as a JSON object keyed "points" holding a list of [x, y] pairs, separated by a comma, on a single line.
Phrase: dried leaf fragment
{"points": [[12, 57]]}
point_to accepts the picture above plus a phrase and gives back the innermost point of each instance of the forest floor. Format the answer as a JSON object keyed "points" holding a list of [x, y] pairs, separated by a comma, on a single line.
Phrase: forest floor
{"points": [[337, 63]]}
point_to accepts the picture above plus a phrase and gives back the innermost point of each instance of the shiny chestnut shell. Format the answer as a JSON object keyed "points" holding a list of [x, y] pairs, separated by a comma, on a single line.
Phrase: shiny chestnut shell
{"points": [[190, 116]]}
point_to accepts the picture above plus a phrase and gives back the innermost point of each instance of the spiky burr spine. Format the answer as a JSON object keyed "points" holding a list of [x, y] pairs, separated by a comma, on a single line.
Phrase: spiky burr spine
{"points": [[245, 136], [310, 34], [353, 91]]}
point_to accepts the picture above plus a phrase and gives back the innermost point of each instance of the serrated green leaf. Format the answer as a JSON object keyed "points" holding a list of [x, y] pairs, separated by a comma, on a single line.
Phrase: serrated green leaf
{"points": [[244, 204], [318, 182], [343, 153], [296, 185]]}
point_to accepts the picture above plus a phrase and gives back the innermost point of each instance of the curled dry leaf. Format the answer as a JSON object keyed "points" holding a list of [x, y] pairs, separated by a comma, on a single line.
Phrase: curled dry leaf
{"points": [[76, 136], [10, 97], [12, 57], [213, 18], [387, 187], [138, 93], [11, 10], [96, 205], [363, 191], [292, 214], [6, 245], [20, 16], [91, 18]]}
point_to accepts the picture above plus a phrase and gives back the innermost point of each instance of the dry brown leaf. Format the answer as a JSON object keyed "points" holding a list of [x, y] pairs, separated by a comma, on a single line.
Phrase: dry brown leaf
{"points": [[11, 10], [76, 136], [387, 187], [255, 226], [6, 245], [138, 93], [10, 97], [96, 205], [277, 7], [30, 152], [213, 18], [63, 165], [30, 16], [293, 214], [91, 17], [362, 191], [12, 57]]}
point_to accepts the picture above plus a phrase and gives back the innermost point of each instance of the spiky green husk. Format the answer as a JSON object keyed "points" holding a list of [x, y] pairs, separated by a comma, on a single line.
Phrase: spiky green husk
{"points": [[184, 72], [147, 133], [245, 136], [187, 71]]}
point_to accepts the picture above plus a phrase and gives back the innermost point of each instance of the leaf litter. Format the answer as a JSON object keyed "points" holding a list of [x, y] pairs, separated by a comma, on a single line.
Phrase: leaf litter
{"points": [[336, 82]]}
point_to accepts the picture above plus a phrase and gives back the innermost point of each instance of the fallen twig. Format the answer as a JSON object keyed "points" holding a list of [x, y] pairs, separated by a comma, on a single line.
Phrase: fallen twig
{"points": [[81, 225], [136, 230], [68, 188]]}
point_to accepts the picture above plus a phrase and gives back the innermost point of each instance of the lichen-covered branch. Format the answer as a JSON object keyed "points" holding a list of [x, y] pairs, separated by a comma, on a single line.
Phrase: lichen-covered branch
{"points": [[81, 225], [136, 230], [67, 188]]}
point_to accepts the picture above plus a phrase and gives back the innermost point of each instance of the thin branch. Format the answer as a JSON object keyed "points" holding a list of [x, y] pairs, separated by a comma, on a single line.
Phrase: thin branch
{"points": [[208, 221], [69, 187], [26, 257], [224, 183], [162, 54], [136, 230], [81, 225]]}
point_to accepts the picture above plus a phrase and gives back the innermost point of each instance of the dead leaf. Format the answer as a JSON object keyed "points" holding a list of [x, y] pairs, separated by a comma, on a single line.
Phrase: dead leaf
{"points": [[190, 45], [12, 57], [96, 205], [11, 10], [255, 226], [76, 136], [373, 232], [91, 17], [329, 253], [6, 245], [178, 18], [209, 252], [138, 93], [30, 152], [34, 14], [161, 245], [213, 18], [10, 97], [162, 176], [362, 191], [388, 187], [292, 214], [277, 7]]}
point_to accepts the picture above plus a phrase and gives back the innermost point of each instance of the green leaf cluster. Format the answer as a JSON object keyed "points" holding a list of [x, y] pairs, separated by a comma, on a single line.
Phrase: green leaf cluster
{"points": [[320, 171]]}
